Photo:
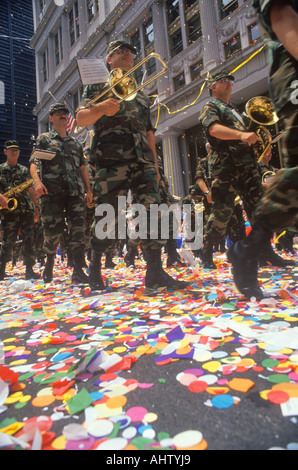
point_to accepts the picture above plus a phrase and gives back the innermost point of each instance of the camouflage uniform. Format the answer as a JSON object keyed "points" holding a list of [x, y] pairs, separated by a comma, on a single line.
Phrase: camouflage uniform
{"points": [[65, 198], [233, 169], [280, 205], [22, 218], [123, 160]]}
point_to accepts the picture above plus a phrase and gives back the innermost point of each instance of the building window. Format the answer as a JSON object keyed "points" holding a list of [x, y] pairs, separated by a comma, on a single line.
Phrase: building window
{"points": [[173, 12], [74, 27], [176, 43], [232, 46], [196, 69], [194, 28], [179, 81], [254, 33], [45, 66], [151, 66], [136, 41], [2, 93], [149, 32], [227, 7], [92, 9], [58, 47]]}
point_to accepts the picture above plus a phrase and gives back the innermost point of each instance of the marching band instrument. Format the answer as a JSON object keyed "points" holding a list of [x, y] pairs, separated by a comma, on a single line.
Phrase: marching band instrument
{"points": [[267, 177], [260, 110], [123, 86], [12, 202]]}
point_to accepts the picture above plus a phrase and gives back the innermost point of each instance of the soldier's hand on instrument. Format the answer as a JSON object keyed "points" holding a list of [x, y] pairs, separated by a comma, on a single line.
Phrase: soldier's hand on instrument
{"points": [[249, 138], [40, 189], [3, 201], [111, 106]]}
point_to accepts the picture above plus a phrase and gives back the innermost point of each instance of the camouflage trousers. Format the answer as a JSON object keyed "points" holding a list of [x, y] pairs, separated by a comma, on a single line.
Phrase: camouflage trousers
{"points": [[227, 184], [114, 181], [11, 224], [55, 210], [279, 206], [235, 229]]}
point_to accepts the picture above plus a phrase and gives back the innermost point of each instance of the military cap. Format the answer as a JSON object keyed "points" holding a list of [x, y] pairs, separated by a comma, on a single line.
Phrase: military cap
{"points": [[115, 45], [58, 107], [218, 76], [11, 144]]}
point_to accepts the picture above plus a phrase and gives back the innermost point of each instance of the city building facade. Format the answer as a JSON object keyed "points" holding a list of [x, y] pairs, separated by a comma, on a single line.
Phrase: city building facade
{"points": [[17, 76], [194, 38]]}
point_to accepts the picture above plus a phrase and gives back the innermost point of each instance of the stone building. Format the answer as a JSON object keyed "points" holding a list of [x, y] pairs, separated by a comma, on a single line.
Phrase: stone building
{"points": [[194, 37]]}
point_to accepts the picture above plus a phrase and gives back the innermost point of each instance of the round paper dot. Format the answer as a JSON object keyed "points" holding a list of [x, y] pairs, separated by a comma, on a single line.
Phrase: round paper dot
{"points": [[100, 428], [43, 400], [118, 443], [136, 413], [222, 401], [278, 397], [187, 439], [197, 386], [150, 417]]}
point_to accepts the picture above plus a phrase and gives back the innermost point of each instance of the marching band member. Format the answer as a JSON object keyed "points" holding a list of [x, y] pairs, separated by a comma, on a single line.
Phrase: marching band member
{"points": [[60, 187], [21, 219], [279, 207], [123, 151]]}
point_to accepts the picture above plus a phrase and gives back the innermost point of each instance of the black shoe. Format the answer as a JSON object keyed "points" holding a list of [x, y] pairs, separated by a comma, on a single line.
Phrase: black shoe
{"points": [[206, 256], [268, 257], [2, 270], [30, 274], [129, 260], [156, 277], [109, 262], [245, 270], [48, 270], [79, 277], [95, 279]]}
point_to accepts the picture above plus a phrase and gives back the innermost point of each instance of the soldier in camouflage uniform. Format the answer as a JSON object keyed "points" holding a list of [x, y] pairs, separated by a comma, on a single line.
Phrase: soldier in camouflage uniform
{"points": [[60, 185], [279, 207], [123, 151], [13, 174], [233, 166]]}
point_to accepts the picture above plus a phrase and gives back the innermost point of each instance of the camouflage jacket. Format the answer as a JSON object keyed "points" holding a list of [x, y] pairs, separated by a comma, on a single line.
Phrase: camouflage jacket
{"points": [[122, 136], [62, 173], [283, 67], [225, 153], [203, 170], [12, 176]]}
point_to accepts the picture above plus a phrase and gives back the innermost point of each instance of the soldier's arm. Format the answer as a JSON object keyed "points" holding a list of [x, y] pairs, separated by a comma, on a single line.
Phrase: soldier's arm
{"points": [[225, 133], [40, 188], [284, 22], [88, 116], [3, 201]]}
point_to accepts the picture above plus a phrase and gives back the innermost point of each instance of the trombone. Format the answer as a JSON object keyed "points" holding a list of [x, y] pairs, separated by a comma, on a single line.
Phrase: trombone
{"points": [[260, 110], [125, 87]]}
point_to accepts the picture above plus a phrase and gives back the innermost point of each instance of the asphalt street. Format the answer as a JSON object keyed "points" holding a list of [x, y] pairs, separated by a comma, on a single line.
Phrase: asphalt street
{"points": [[134, 370]]}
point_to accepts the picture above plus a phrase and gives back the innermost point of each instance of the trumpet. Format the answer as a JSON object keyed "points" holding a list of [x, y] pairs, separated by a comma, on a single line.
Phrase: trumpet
{"points": [[260, 110], [123, 86], [12, 202]]}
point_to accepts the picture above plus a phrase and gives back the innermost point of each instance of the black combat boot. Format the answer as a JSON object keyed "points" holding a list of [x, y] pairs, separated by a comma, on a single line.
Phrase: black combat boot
{"points": [[95, 279], [78, 275], [155, 275], [268, 257], [2, 270], [129, 258], [173, 255], [244, 257], [109, 261], [207, 256], [30, 274], [48, 270]]}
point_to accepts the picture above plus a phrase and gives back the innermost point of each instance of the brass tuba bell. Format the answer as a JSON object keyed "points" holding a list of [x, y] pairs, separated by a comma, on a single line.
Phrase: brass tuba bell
{"points": [[260, 110]]}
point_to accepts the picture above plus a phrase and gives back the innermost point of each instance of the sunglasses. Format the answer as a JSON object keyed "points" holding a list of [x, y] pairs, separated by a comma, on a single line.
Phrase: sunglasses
{"points": [[124, 51]]}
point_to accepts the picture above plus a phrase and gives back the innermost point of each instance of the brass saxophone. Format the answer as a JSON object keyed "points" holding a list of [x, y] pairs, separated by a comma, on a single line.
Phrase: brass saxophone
{"points": [[12, 202]]}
